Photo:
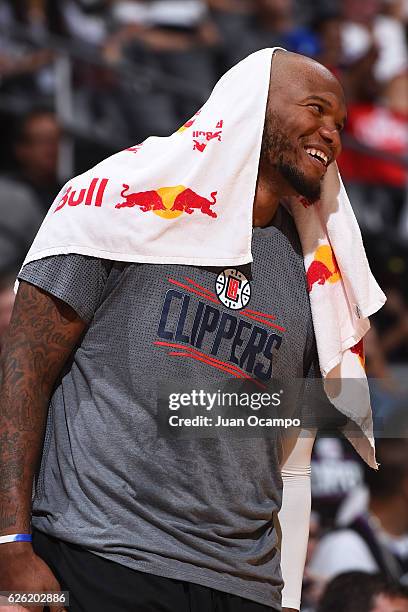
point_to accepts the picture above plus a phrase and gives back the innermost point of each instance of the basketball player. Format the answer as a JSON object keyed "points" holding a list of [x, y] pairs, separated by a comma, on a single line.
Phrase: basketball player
{"points": [[125, 520]]}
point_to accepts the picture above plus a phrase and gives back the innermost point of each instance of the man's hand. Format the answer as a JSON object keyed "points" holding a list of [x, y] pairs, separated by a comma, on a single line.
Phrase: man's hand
{"points": [[22, 570]]}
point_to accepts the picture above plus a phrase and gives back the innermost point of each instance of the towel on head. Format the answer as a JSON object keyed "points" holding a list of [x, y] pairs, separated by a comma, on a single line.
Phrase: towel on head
{"points": [[188, 199]]}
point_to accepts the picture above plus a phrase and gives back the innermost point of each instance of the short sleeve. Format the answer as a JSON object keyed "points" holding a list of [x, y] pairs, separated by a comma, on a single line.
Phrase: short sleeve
{"points": [[77, 280]]}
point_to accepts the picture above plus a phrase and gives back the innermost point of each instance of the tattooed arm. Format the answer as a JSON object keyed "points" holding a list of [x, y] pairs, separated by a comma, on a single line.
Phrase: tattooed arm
{"points": [[41, 336]]}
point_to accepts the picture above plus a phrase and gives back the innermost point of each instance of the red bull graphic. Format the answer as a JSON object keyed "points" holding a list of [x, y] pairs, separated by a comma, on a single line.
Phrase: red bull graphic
{"points": [[135, 148], [305, 203], [189, 123], [91, 195], [323, 269], [358, 349], [202, 138], [169, 202], [146, 200]]}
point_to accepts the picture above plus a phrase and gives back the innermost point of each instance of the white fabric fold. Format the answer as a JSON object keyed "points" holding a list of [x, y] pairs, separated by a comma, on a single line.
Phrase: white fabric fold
{"points": [[188, 199], [343, 294]]}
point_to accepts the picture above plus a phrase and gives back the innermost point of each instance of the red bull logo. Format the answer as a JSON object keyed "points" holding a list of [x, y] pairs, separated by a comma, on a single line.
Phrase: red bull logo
{"points": [[202, 138], [135, 148], [169, 202], [91, 195], [358, 349], [304, 202], [323, 269], [189, 123]]}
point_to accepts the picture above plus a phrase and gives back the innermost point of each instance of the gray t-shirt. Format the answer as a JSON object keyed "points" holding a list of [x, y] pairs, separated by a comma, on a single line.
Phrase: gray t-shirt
{"points": [[200, 510]]}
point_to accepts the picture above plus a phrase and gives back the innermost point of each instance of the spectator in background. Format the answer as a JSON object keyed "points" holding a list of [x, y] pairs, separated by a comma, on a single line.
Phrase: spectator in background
{"points": [[233, 20], [36, 148], [364, 22], [311, 589], [274, 24], [360, 592], [95, 93], [385, 390], [40, 16], [336, 472], [86, 21], [377, 540], [327, 26], [376, 57], [376, 183], [278, 17], [27, 193], [25, 196], [20, 218], [25, 63], [174, 38], [393, 325]]}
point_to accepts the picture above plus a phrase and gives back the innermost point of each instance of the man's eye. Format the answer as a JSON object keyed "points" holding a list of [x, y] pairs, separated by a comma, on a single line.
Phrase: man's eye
{"points": [[318, 108]]}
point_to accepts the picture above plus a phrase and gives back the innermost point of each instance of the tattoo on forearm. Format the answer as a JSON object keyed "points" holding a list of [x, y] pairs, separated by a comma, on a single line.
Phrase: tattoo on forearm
{"points": [[7, 518], [8, 442], [12, 472], [38, 341], [42, 334], [11, 460]]}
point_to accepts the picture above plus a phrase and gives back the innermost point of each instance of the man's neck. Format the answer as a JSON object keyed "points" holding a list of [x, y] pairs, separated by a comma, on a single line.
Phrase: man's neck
{"points": [[270, 188]]}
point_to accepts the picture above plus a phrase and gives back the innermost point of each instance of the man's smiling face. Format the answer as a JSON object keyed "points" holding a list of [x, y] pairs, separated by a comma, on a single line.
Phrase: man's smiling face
{"points": [[305, 114]]}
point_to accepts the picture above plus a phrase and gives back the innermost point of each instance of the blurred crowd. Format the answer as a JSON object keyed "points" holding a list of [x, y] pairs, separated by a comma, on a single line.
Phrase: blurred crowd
{"points": [[80, 79]]}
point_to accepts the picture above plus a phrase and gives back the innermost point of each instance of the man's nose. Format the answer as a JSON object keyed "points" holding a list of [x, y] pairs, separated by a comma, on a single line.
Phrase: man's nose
{"points": [[331, 136]]}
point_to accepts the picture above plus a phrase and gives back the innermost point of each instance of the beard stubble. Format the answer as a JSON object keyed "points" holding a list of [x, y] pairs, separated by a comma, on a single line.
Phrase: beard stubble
{"points": [[275, 151]]}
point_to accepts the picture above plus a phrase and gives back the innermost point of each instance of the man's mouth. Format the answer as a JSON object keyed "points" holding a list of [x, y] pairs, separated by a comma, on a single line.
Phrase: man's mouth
{"points": [[318, 155]]}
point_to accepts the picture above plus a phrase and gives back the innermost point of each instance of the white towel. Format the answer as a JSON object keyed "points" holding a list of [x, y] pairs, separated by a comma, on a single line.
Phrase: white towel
{"points": [[343, 294], [188, 199]]}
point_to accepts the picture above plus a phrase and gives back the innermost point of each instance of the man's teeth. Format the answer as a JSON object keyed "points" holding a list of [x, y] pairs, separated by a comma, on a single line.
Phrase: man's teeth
{"points": [[319, 154]]}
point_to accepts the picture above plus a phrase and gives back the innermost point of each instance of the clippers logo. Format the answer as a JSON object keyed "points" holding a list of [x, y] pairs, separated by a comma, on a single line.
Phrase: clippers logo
{"points": [[194, 327], [91, 195], [233, 289], [168, 202]]}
